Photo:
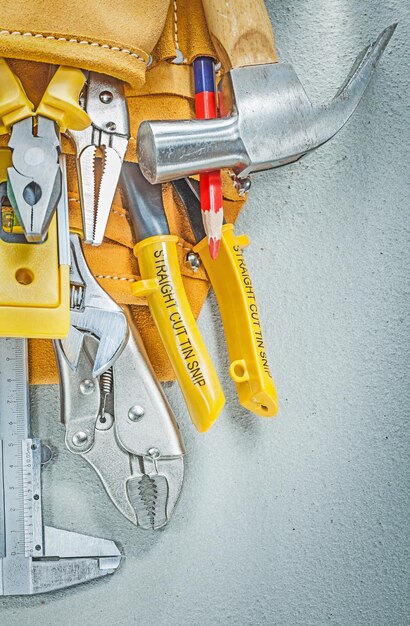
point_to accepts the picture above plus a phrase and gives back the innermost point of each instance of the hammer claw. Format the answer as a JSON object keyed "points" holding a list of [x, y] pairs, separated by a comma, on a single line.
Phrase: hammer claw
{"points": [[333, 116]]}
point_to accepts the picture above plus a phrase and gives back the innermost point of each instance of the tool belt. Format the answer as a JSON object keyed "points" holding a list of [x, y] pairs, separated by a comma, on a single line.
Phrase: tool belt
{"points": [[138, 44]]}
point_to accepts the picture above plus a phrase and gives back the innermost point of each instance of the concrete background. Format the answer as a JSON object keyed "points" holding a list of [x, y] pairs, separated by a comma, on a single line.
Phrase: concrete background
{"points": [[302, 520]]}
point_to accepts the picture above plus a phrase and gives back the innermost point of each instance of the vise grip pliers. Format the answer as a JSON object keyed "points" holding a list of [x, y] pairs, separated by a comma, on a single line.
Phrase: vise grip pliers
{"points": [[115, 413]]}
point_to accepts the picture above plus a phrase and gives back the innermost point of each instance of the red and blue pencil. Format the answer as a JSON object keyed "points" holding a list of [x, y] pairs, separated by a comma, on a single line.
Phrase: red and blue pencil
{"points": [[210, 183]]}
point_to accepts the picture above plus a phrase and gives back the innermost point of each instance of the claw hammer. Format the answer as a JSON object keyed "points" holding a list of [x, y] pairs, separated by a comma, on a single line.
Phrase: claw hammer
{"points": [[267, 119]]}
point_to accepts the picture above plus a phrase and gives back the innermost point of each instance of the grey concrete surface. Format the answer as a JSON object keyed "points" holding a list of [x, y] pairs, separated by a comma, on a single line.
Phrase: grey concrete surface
{"points": [[299, 521]]}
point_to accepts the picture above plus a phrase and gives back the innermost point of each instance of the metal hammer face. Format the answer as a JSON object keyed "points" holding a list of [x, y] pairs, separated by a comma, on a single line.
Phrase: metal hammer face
{"points": [[268, 121]]}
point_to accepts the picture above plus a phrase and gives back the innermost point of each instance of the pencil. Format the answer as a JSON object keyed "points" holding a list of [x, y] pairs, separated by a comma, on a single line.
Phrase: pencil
{"points": [[210, 184]]}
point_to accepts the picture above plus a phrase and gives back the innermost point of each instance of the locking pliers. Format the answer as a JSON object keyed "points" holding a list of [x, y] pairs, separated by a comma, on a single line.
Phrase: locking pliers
{"points": [[104, 101], [115, 413]]}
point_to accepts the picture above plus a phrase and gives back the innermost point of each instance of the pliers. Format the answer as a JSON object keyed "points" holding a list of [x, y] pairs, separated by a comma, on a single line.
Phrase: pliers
{"points": [[115, 413], [104, 101], [35, 178]]}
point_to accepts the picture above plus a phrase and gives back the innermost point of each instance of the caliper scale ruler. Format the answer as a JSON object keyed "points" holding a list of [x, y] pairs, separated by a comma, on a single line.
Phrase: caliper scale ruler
{"points": [[20, 489]]}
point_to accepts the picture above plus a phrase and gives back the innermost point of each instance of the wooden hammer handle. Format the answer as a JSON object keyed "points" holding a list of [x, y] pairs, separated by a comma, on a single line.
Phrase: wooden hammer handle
{"points": [[241, 32]]}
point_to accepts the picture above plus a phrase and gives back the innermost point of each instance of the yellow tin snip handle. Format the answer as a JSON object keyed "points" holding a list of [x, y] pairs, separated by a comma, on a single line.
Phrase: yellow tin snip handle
{"points": [[162, 285], [239, 311]]}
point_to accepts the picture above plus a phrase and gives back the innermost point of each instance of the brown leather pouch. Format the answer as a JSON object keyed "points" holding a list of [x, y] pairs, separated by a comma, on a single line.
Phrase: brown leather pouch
{"points": [[118, 40]]}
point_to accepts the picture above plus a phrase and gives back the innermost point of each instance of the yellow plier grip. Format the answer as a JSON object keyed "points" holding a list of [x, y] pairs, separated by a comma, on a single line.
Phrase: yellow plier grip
{"points": [[14, 104], [162, 285], [240, 316], [60, 101]]}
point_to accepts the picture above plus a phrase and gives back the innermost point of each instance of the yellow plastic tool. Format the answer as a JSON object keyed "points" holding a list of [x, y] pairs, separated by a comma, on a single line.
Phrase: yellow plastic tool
{"points": [[233, 288], [34, 287], [14, 104], [162, 285], [60, 101]]}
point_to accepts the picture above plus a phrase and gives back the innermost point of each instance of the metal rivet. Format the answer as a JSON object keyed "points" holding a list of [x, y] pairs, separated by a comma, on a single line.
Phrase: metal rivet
{"points": [[87, 386], [242, 185], [80, 438], [38, 547], [193, 262], [105, 421], [154, 453], [111, 127], [135, 413], [36, 496], [106, 97]]}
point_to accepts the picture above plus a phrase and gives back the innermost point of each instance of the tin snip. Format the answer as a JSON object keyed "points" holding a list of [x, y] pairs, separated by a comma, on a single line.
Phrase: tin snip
{"points": [[35, 177], [114, 411], [161, 283]]}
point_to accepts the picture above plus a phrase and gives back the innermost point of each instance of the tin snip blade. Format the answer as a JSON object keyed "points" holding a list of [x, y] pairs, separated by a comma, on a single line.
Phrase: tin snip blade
{"points": [[104, 101], [35, 178], [35, 558], [115, 413]]}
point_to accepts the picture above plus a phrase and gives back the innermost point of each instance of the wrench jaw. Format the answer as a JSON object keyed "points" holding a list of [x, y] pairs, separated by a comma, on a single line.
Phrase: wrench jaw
{"points": [[35, 180], [93, 313]]}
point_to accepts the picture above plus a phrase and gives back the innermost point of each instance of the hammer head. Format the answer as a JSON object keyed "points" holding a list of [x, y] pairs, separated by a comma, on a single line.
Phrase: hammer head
{"points": [[267, 121]]}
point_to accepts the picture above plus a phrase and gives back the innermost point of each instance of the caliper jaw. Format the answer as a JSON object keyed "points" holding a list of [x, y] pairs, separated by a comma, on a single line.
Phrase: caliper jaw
{"points": [[71, 559]]}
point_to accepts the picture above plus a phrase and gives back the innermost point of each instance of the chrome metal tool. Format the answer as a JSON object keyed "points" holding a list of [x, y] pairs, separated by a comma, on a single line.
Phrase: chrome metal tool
{"points": [[115, 413], [34, 558], [34, 181], [267, 121], [35, 178], [104, 101]]}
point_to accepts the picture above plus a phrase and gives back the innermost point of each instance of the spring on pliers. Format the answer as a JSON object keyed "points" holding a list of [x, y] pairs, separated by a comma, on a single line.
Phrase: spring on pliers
{"points": [[76, 297], [106, 382]]}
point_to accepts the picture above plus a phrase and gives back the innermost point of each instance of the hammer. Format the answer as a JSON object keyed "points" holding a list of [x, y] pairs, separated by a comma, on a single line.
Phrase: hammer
{"points": [[267, 119]]}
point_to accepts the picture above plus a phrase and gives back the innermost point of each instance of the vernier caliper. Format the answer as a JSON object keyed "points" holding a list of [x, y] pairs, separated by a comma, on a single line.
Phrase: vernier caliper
{"points": [[34, 558]]}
